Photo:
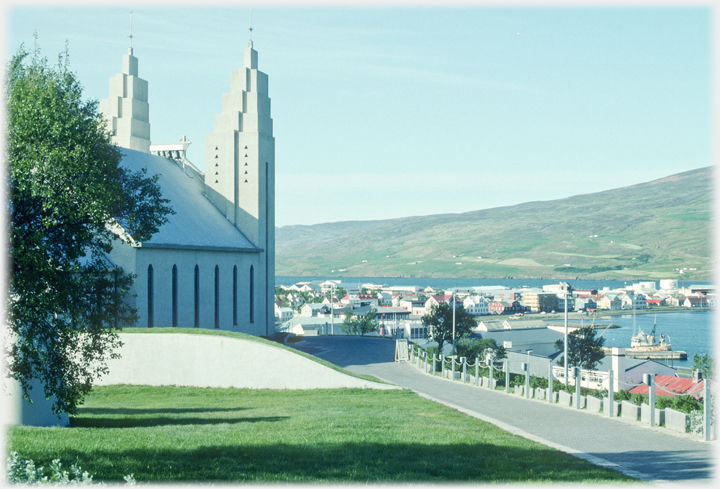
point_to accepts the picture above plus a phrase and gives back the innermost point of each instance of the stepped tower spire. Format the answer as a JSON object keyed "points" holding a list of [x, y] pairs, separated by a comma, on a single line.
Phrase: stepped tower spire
{"points": [[126, 110], [240, 162]]}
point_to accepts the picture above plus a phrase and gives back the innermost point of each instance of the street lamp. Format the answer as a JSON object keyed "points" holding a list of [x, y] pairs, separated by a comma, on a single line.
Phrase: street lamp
{"points": [[565, 286], [453, 337], [332, 310]]}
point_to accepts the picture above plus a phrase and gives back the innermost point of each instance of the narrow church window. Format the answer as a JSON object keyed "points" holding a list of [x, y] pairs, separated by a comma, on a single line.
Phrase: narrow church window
{"points": [[150, 297], [252, 293], [245, 147], [217, 296], [174, 297], [216, 156], [235, 295], [215, 148], [197, 296]]}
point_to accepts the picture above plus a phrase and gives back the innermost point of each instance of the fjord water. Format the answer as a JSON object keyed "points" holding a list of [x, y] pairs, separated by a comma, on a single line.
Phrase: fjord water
{"points": [[689, 331]]}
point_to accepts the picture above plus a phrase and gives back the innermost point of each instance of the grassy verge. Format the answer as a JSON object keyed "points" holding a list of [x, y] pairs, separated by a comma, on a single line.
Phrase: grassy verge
{"points": [[192, 434]]}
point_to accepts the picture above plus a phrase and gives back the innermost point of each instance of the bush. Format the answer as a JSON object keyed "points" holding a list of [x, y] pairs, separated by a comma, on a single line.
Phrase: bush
{"points": [[621, 395], [23, 471], [536, 382], [662, 402]]}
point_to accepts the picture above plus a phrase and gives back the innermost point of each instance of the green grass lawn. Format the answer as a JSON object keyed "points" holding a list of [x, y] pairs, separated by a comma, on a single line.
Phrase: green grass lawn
{"points": [[193, 434]]}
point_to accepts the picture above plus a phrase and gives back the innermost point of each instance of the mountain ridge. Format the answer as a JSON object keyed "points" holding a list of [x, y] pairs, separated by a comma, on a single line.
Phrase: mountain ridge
{"points": [[644, 230]]}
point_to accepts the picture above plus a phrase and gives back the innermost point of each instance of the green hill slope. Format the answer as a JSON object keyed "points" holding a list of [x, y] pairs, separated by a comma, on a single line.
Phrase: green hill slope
{"points": [[641, 231]]}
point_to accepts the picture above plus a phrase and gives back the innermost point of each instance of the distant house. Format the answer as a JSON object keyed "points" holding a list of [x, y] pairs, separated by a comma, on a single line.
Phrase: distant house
{"points": [[367, 300], [610, 302], [388, 313], [633, 301], [476, 305], [284, 314], [584, 292], [585, 303], [696, 301], [669, 385], [655, 301], [384, 298], [541, 301], [351, 299], [415, 306], [314, 310], [505, 307], [436, 300]]}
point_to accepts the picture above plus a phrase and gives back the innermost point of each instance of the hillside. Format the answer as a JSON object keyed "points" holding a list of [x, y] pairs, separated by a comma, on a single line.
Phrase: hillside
{"points": [[636, 232]]}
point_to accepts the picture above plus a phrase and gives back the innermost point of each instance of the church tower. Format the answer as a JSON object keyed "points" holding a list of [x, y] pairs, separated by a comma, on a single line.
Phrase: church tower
{"points": [[126, 110], [240, 167], [240, 154]]}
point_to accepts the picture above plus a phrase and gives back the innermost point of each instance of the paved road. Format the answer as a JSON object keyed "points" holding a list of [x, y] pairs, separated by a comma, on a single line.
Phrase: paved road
{"points": [[655, 455]]}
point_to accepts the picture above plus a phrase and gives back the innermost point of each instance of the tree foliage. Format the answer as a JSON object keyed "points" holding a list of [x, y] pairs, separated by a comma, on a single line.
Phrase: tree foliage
{"points": [[66, 190], [366, 324], [473, 348], [584, 349], [439, 323], [705, 363]]}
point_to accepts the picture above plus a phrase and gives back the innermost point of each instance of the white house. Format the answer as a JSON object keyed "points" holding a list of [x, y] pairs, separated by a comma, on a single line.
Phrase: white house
{"points": [[283, 314], [476, 305], [634, 301]]}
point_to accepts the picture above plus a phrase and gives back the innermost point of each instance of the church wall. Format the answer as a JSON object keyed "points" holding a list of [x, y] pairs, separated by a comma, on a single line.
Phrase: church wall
{"points": [[162, 261]]}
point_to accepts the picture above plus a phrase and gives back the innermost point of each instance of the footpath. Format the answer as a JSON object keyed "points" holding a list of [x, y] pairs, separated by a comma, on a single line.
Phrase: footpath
{"points": [[655, 455]]}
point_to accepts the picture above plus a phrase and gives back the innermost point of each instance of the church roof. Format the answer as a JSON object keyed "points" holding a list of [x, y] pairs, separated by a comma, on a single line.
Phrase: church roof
{"points": [[197, 223]]}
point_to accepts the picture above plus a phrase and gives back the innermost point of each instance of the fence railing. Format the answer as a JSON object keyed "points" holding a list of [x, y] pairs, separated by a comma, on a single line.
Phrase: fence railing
{"points": [[473, 372]]}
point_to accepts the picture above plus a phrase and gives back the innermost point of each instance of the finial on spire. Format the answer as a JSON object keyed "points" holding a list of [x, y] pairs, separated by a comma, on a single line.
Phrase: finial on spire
{"points": [[250, 43], [130, 51]]}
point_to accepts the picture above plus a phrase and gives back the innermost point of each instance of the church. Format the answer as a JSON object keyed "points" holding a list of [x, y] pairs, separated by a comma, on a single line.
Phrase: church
{"points": [[212, 265]]}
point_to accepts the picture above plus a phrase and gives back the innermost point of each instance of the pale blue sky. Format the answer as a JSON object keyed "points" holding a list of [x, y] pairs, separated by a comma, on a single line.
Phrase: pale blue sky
{"points": [[414, 110]]}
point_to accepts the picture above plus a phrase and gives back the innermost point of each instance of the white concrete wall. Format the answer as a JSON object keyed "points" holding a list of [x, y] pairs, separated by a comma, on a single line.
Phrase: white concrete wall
{"points": [[216, 361]]}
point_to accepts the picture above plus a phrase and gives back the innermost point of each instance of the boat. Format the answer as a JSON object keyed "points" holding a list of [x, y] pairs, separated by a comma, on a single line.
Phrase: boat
{"points": [[642, 342], [643, 345]]}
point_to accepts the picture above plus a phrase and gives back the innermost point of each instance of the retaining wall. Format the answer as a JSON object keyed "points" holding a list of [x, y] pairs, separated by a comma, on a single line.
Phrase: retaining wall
{"points": [[630, 410], [220, 361], [677, 421]]}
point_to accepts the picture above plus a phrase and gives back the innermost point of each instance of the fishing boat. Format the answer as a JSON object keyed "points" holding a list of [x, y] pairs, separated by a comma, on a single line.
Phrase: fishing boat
{"points": [[643, 345]]}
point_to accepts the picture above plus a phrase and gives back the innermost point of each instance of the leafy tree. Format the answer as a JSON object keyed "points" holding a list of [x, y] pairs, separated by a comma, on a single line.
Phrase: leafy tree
{"points": [[67, 189], [340, 293], [439, 323], [367, 323], [473, 348], [584, 349], [705, 363]]}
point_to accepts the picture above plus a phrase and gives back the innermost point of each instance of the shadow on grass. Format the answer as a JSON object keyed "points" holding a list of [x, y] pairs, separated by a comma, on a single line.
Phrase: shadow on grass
{"points": [[341, 462], [86, 411], [100, 422]]}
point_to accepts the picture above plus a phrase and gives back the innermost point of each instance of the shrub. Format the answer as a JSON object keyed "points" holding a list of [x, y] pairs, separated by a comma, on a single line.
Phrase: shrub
{"points": [[23, 471], [662, 402], [621, 395], [540, 382]]}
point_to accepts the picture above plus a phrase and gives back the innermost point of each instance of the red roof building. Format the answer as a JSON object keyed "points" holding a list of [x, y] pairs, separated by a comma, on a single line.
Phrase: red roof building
{"points": [[666, 385]]}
